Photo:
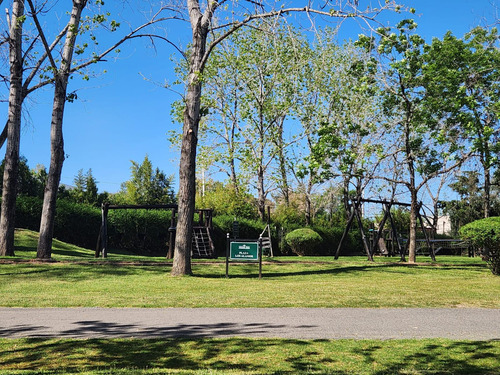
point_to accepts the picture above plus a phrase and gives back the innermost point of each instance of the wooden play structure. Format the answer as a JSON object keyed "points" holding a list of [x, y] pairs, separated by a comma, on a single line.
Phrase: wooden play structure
{"points": [[203, 246], [376, 241]]}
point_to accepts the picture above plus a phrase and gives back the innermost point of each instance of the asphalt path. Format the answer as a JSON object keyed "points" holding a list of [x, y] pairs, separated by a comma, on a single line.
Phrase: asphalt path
{"points": [[293, 323]]}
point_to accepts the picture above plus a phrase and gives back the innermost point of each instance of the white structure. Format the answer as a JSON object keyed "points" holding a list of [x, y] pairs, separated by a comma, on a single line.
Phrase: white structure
{"points": [[443, 225]]}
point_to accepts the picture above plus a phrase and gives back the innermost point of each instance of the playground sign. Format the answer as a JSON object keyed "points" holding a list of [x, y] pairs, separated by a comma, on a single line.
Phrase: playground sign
{"points": [[244, 250], [247, 251]]}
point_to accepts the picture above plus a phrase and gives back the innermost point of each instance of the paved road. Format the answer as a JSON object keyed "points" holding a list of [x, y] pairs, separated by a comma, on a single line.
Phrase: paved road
{"points": [[297, 323]]}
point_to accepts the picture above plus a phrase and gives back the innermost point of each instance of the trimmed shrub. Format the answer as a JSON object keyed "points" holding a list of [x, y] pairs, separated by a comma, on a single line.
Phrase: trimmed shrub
{"points": [[303, 241], [485, 236]]}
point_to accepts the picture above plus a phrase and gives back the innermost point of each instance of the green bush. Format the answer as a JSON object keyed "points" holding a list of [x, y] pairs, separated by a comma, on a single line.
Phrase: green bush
{"points": [[303, 241], [485, 236]]}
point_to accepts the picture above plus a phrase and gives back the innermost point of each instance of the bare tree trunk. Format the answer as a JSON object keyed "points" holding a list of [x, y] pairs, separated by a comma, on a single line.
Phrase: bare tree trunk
{"points": [[187, 168], [44, 250], [345, 196], [308, 201], [412, 238], [261, 199], [285, 189], [8, 207], [487, 192]]}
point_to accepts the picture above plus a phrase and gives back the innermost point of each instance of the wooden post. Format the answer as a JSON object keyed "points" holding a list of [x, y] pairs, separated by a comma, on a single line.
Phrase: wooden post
{"points": [[396, 237], [171, 237], [381, 226], [363, 236], [431, 249], [259, 254], [104, 235], [344, 235], [228, 244]]}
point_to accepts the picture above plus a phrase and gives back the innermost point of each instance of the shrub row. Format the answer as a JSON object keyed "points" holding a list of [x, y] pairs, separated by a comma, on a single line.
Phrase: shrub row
{"points": [[141, 231], [146, 231]]}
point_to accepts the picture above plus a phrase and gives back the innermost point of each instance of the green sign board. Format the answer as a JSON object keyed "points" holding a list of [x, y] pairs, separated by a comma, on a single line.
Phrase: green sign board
{"points": [[244, 251]]}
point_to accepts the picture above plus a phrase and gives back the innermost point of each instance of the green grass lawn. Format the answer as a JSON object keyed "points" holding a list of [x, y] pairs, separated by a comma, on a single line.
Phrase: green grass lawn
{"points": [[348, 282], [78, 280], [248, 356]]}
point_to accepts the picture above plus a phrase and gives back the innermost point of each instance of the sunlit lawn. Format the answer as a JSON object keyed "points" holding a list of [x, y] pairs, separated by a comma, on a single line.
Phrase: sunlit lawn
{"points": [[248, 356], [348, 282], [125, 280]]}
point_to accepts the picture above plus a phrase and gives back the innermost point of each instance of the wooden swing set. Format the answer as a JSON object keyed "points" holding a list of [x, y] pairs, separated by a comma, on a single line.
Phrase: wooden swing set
{"points": [[203, 246], [355, 213]]}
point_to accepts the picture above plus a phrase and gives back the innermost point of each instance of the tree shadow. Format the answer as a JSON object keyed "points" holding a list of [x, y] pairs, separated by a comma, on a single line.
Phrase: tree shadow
{"points": [[245, 355]]}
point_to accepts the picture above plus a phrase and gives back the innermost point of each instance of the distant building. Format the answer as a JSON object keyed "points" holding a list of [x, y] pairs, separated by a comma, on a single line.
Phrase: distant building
{"points": [[443, 225]]}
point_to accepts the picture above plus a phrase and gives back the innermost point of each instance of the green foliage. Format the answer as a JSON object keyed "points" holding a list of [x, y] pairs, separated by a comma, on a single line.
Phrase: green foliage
{"points": [[223, 224], [30, 182], [288, 216], [303, 241], [146, 186], [74, 223], [225, 200], [139, 231], [77, 223], [143, 232], [470, 205], [485, 236], [85, 190]]}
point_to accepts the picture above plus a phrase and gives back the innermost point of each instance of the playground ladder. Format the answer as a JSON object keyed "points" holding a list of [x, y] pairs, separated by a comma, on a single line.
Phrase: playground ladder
{"points": [[267, 246], [203, 246]]}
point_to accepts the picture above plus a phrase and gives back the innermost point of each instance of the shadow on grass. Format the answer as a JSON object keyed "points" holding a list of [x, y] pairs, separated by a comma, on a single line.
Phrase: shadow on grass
{"points": [[244, 271], [270, 356], [77, 272]]}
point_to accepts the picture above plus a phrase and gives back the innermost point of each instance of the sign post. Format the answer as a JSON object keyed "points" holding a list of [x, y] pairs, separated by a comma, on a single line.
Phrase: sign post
{"points": [[244, 251]]}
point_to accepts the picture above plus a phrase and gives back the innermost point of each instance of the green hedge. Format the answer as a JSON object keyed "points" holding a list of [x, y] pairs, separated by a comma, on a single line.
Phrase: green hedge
{"points": [[146, 231], [139, 231], [75, 223], [485, 236]]}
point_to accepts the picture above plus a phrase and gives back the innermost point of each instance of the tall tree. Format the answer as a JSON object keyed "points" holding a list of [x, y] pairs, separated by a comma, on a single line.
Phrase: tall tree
{"points": [[421, 148], [61, 77], [85, 190], [147, 185], [465, 88], [348, 118], [203, 23], [7, 216]]}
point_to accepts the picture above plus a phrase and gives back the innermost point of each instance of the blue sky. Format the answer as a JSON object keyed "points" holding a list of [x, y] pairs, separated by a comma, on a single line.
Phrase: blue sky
{"points": [[124, 114]]}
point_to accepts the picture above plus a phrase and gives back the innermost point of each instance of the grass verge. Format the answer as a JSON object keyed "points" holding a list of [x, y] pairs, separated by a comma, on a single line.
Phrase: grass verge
{"points": [[248, 356], [349, 282]]}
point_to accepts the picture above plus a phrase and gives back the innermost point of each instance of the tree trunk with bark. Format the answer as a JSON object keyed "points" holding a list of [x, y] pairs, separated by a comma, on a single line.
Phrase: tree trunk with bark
{"points": [[261, 200], [44, 250], [280, 145], [8, 207], [187, 168], [412, 237]]}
